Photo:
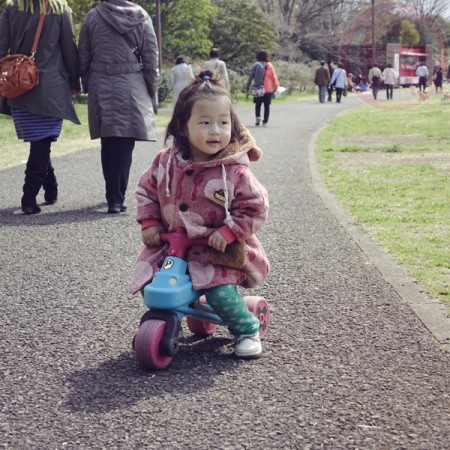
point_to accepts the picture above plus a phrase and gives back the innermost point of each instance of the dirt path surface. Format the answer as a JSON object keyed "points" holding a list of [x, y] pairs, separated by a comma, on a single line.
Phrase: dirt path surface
{"points": [[347, 364]]}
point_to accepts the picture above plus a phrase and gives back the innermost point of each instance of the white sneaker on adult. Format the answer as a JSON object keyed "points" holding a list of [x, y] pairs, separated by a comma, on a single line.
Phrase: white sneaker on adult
{"points": [[248, 346]]}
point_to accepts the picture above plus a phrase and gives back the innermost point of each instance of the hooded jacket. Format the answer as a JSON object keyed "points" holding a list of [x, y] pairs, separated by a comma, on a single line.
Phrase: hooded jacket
{"points": [[56, 57], [263, 74], [119, 89], [220, 194]]}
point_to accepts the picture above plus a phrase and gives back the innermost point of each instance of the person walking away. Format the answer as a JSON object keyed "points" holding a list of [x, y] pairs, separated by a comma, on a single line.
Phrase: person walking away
{"points": [[210, 156], [263, 73], [339, 80], [39, 113], [423, 74], [375, 80], [218, 67], [180, 76], [438, 78], [120, 83], [322, 80], [389, 78], [330, 86]]}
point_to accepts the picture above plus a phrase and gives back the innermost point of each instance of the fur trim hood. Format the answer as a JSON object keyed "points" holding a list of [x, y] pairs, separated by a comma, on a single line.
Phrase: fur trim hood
{"points": [[245, 145]]}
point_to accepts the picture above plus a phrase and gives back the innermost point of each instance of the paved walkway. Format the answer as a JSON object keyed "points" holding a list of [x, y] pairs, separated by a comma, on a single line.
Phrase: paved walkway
{"points": [[347, 363]]}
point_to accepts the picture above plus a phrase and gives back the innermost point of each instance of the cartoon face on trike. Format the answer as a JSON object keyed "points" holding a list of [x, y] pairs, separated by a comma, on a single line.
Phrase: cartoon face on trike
{"points": [[170, 298]]}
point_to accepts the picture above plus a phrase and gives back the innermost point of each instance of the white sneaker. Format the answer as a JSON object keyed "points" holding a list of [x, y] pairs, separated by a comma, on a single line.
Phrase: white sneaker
{"points": [[248, 346]]}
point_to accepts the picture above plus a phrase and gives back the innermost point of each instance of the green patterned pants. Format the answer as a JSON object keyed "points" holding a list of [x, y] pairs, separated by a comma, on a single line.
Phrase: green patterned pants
{"points": [[231, 308]]}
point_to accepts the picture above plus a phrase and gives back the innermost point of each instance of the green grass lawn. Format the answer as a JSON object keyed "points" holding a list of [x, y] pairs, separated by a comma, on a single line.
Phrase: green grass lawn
{"points": [[389, 167]]}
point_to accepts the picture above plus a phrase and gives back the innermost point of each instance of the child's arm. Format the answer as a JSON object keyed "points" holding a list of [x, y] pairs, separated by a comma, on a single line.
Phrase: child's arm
{"points": [[249, 207], [148, 207]]}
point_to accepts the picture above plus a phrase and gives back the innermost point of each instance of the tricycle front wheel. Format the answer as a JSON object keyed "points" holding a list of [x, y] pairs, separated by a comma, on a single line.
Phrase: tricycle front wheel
{"points": [[147, 345]]}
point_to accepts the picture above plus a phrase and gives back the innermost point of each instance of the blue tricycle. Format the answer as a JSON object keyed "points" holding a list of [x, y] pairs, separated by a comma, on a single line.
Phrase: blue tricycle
{"points": [[170, 297]]}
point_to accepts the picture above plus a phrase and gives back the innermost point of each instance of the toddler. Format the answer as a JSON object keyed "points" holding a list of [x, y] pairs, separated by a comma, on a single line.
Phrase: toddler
{"points": [[203, 183]]}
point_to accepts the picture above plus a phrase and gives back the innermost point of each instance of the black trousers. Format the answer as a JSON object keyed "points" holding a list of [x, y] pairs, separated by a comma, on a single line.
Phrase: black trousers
{"points": [[389, 91], [39, 173], [423, 84], [265, 100], [116, 155], [330, 92]]}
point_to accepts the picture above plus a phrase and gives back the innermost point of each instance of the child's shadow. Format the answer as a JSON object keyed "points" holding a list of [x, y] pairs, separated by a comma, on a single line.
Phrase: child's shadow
{"points": [[118, 383]]}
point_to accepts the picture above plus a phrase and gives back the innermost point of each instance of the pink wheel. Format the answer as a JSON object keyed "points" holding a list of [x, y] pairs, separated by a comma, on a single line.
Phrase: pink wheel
{"points": [[200, 327], [259, 307], [146, 345]]}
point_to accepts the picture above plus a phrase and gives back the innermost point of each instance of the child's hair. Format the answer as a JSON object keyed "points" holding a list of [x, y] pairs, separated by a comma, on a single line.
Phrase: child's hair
{"points": [[204, 86]]}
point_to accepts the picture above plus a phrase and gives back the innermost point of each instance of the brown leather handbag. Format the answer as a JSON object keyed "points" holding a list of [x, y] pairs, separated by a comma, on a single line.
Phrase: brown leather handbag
{"points": [[19, 73]]}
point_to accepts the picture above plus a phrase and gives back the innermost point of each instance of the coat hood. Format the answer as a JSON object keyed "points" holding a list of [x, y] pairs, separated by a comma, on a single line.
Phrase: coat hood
{"points": [[245, 146], [122, 15]]}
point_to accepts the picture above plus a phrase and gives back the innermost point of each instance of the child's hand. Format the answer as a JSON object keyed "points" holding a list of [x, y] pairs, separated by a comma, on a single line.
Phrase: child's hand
{"points": [[151, 236], [217, 241]]}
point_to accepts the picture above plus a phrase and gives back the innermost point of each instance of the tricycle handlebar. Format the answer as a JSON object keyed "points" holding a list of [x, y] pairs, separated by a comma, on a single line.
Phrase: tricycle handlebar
{"points": [[179, 242]]}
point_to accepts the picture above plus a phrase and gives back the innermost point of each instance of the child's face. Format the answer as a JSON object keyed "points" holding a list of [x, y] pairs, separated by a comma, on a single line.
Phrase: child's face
{"points": [[209, 127]]}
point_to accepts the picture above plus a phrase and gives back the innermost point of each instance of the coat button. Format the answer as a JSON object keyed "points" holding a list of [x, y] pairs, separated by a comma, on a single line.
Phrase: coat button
{"points": [[183, 207], [189, 172]]}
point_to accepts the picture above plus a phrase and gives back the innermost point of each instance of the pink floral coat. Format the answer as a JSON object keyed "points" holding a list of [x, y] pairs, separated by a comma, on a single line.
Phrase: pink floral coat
{"points": [[202, 197]]}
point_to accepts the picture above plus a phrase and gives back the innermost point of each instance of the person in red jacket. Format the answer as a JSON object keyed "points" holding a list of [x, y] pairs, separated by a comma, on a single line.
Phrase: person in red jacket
{"points": [[263, 73]]}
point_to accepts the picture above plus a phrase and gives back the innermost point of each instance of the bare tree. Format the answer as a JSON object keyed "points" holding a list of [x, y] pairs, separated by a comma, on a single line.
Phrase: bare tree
{"points": [[308, 26]]}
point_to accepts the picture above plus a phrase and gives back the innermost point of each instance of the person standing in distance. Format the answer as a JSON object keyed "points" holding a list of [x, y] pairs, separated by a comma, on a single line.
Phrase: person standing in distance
{"points": [[389, 78], [120, 83], [218, 68], [322, 80], [423, 74], [180, 75], [38, 114], [375, 80], [263, 73], [339, 79]]}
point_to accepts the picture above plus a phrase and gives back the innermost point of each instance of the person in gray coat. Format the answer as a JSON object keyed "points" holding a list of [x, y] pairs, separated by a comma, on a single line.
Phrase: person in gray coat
{"points": [[120, 84], [39, 113]]}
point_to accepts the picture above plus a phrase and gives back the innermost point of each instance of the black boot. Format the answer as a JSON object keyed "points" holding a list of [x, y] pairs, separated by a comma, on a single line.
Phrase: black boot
{"points": [[35, 173], [50, 186]]}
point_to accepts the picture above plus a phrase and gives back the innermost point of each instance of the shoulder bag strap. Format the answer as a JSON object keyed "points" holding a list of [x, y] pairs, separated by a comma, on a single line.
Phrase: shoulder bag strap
{"points": [[38, 31]]}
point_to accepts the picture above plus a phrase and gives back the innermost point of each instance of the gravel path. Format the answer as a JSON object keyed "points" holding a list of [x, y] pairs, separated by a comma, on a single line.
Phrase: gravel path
{"points": [[347, 363]]}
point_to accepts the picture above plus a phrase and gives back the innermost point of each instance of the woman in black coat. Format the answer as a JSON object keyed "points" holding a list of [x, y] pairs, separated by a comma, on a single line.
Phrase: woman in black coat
{"points": [[38, 114]]}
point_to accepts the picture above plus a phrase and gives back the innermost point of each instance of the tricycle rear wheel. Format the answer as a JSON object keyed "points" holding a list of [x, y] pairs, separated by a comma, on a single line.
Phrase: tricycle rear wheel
{"points": [[259, 307], [200, 327]]}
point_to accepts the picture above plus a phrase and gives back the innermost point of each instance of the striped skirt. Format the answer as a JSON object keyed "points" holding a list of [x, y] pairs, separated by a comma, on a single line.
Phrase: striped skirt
{"points": [[33, 127]]}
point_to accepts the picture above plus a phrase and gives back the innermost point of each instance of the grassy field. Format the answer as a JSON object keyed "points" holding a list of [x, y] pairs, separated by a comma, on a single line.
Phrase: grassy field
{"points": [[389, 163]]}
